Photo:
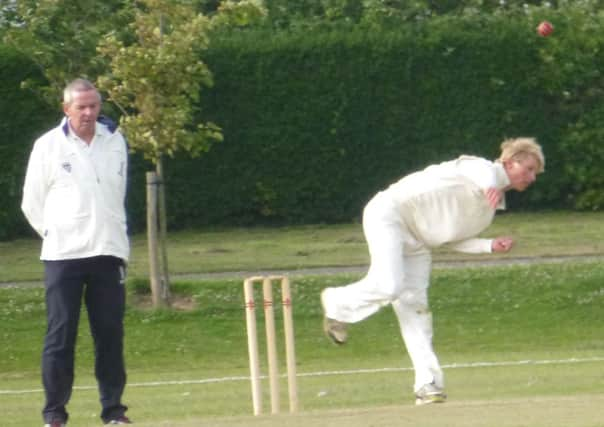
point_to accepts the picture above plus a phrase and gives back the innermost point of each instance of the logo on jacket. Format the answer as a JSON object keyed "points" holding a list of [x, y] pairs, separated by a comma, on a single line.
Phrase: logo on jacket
{"points": [[67, 167]]}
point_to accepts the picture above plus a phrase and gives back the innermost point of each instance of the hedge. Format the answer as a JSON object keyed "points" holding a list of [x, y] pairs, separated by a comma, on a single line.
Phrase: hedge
{"points": [[315, 123], [24, 116]]}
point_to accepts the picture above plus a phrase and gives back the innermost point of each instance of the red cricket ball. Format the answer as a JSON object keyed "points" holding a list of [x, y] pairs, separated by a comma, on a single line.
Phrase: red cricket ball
{"points": [[545, 28]]}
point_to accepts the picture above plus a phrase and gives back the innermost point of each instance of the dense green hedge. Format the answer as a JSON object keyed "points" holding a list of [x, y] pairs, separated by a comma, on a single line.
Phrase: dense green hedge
{"points": [[24, 117], [315, 123]]}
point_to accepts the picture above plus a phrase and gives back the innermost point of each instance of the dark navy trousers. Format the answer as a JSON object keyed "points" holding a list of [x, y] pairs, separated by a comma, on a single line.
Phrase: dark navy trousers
{"points": [[99, 281]]}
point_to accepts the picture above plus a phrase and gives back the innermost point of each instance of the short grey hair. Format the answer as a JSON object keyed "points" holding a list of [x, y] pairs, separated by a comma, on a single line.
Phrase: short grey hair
{"points": [[78, 85]]}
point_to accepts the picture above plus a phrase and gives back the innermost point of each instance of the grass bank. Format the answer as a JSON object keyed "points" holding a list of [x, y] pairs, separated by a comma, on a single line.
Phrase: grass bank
{"points": [[238, 249]]}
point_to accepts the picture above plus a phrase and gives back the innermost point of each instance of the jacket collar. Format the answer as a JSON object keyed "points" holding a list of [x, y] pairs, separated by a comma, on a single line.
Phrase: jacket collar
{"points": [[103, 120]]}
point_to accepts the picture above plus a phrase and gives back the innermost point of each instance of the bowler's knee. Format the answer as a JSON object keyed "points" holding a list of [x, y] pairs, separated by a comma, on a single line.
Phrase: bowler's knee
{"points": [[387, 284], [415, 300], [392, 288]]}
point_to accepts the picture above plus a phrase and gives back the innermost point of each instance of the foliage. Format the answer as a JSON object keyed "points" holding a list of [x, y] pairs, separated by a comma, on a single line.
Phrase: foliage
{"points": [[24, 114], [238, 14], [60, 36], [584, 152], [315, 124], [571, 74], [291, 14], [316, 121], [156, 78]]}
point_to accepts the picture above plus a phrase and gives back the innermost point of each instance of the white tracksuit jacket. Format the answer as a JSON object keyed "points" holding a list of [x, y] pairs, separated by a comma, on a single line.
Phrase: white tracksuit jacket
{"points": [[74, 194], [442, 204]]}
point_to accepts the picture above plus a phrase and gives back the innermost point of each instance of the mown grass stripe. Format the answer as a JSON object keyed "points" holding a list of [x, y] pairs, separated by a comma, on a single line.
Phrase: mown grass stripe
{"points": [[328, 373]]}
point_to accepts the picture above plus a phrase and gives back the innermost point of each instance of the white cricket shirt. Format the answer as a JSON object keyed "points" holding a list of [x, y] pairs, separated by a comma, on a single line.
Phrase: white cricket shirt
{"points": [[446, 203]]}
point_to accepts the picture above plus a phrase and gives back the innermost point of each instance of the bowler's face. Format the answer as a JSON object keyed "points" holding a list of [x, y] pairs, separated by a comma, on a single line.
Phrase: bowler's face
{"points": [[522, 173], [83, 111]]}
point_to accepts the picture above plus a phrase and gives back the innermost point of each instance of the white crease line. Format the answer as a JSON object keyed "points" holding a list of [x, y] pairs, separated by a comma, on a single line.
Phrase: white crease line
{"points": [[343, 372]]}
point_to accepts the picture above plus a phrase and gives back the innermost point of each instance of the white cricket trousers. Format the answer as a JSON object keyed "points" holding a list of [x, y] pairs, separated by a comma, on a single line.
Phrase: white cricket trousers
{"points": [[394, 277]]}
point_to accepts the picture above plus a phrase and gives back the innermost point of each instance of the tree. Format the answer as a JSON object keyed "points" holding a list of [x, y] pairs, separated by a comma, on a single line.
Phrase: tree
{"points": [[156, 80], [60, 36], [393, 13]]}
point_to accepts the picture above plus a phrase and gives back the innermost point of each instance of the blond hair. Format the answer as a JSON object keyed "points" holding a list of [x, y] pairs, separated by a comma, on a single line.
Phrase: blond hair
{"points": [[521, 148]]}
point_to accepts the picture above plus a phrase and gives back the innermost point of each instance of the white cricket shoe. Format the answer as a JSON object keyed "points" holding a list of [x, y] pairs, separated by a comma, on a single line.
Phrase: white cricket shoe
{"points": [[430, 393]]}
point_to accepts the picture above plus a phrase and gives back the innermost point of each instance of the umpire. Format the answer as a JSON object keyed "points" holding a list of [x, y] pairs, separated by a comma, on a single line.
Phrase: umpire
{"points": [[73, 197]]}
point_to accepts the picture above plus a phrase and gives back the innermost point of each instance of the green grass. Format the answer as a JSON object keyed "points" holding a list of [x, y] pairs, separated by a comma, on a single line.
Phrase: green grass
{"points": [[200, 251], [503, 314]]}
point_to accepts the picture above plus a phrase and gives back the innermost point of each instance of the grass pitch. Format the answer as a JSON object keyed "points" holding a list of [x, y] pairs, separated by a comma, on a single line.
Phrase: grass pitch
{"points": [[521, 346]]}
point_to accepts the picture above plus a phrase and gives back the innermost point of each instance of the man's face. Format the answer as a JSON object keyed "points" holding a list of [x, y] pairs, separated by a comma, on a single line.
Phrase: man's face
{"points": [[522, 172], [83, 111]]}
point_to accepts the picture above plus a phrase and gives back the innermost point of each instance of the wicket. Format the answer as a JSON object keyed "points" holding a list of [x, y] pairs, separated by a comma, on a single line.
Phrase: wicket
{"points": [[271, 345]]}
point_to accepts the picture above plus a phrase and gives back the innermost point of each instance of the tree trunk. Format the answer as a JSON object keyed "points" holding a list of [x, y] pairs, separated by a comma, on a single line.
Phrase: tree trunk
{"points": [[163, 232], [152, 242]]}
